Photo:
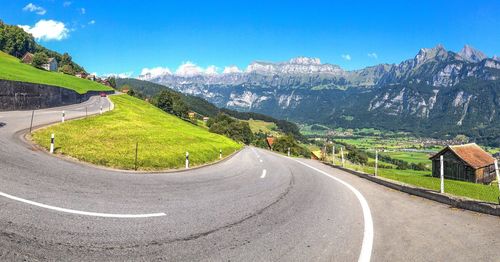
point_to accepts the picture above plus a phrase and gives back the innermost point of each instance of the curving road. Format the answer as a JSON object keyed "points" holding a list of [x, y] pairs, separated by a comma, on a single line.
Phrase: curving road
{"points": [[256, 206]]}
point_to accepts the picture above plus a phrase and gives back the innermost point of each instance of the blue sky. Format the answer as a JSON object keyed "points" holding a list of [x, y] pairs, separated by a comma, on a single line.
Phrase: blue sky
{"points": [[127, 36]]}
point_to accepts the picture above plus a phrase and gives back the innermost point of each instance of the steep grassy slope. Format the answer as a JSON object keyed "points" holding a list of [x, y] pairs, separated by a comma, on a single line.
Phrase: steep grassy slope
{"points": [[110, 139], [12, 69]]}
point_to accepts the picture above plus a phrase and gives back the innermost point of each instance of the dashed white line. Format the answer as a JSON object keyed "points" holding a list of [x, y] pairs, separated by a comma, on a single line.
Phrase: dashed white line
{"points": [[264, 172], [77, 212], [260, 160], [366, 247]]}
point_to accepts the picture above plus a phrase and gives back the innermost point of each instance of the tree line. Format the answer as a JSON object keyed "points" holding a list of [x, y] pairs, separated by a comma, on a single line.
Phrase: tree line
{"points": [[16, 42]]}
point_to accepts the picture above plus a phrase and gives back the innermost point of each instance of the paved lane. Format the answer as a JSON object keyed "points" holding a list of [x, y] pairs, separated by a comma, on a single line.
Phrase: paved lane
{"points": [[230, 211], [256, 206]]}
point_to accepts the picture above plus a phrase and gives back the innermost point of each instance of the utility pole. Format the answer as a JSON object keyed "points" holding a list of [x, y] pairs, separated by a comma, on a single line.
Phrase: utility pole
{"points": [[342, 155], [32, 116], [333, 155]]}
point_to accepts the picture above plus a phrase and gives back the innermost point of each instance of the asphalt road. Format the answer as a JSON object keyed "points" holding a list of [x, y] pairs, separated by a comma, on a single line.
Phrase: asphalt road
{"points": [[256, 206]]}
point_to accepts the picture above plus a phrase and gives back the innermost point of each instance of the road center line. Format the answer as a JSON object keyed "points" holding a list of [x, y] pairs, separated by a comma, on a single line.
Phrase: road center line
{"points": [[261, 160], [264, 172], [77, 212], [366, 247]]}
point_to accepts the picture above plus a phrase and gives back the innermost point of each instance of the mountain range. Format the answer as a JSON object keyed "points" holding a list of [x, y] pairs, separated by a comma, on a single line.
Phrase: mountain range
{"points": [[436, 93]]}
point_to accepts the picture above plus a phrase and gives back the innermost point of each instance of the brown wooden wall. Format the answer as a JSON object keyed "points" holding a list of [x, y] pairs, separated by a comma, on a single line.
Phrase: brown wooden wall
{"points": [[454, 168]]}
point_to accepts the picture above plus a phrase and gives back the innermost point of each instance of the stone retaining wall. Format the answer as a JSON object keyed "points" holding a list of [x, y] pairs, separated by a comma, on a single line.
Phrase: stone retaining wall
{"points": [[28, 96]]}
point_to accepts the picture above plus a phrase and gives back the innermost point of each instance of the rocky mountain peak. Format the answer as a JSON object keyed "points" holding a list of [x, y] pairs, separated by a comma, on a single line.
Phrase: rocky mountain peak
{"points": [[470, 54], [496, 58], [301, 60], [426, 54]]}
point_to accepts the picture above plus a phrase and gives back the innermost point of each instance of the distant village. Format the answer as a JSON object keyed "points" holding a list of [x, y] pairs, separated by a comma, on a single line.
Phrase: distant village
{"points": [[53, 66]]}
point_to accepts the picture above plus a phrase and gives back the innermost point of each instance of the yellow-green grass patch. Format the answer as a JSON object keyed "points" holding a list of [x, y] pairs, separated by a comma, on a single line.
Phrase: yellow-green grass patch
{"points": [[110, 139]]}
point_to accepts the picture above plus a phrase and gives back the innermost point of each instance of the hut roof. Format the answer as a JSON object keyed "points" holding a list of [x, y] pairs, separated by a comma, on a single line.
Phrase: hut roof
{"points": [[471, 154]]}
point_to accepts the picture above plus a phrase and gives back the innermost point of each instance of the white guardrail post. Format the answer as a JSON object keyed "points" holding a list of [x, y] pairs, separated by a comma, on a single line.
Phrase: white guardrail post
{"points": [[52, 144], [376, 162], [220, 153], [63, 115], [498, 176], [187, 159], [441, 166]]}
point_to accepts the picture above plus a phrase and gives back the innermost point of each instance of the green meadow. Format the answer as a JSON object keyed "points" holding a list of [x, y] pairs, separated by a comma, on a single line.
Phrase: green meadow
{"points": [[488, 193], [110, 139], [12, 69]]}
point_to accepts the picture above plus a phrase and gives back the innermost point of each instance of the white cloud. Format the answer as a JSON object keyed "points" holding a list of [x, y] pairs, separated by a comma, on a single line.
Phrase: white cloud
{"points": [[155, 72], [373, 55], [346, 57], [33, 8], [119, 75], [47, 30], [67, 3], [231, 69], [92, 22], [83, 11], [212, 70], [188, 69]]}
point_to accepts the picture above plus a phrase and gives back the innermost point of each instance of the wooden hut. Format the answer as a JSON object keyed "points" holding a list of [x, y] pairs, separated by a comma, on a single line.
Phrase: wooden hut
{"points": [[27, 58], [467, 162]]}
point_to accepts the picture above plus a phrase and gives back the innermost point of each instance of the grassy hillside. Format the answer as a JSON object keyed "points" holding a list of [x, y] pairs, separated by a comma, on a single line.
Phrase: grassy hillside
{"points": [[110, 139], [12, 69], [262, 126], [149, 89]]}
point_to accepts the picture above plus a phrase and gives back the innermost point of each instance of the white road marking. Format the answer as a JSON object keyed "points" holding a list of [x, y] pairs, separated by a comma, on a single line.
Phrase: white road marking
{"points": [[77, 212], [264, 172], [366, 247], [261, 160], [255, 152]]}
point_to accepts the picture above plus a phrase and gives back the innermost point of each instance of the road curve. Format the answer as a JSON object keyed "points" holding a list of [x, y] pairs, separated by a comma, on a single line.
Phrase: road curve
{"points": [[257, 206]]}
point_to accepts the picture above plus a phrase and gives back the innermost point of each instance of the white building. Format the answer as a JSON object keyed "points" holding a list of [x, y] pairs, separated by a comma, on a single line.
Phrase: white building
{"points": [[51, 65]]}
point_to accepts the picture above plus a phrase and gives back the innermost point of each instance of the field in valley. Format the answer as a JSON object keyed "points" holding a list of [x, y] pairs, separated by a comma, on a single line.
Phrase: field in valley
{"points": [[403, 147]]}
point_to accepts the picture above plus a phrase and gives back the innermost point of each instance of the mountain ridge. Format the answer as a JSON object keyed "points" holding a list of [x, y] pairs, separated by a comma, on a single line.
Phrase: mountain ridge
{"points": [[437, 92]]}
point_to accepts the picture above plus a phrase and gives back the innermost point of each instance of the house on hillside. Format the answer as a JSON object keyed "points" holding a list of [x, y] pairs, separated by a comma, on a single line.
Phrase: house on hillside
{"points": [[81, 75], [91, 77], [191, 115], [270, 141], [27, 58], [467, 162], [51, 65], [205, 119]]}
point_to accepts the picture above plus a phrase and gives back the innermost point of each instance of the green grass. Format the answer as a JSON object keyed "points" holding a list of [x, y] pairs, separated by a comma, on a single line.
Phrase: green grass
{"points": [[410, 157], [12, 69], [488, 193], [265, 127], [110, 139]]}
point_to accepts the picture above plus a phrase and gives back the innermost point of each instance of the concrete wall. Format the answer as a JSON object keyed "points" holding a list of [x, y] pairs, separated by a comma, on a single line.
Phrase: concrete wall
{"points": [[27, 96]]}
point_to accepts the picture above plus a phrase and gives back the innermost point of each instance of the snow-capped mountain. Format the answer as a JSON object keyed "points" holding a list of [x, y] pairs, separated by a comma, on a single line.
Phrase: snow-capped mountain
{"points": [[437, 88]]}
